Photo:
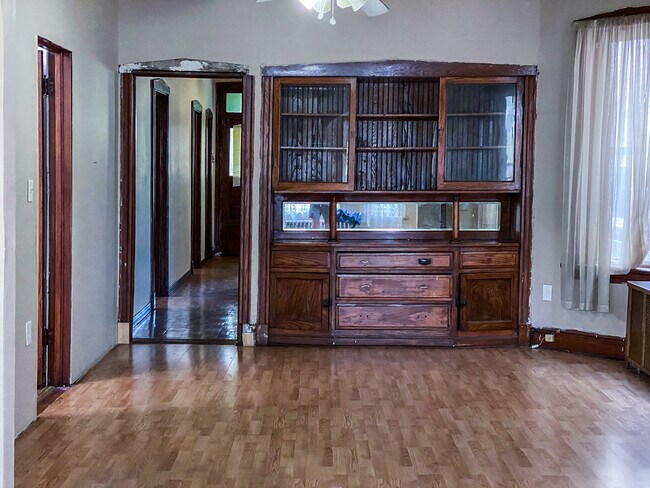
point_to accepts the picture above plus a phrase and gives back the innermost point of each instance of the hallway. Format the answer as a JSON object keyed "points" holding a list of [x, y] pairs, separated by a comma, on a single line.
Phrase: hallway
{"points": [[198, 415], [204, 308]]}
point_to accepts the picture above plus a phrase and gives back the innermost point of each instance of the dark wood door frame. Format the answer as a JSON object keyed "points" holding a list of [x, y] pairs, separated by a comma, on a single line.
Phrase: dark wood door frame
{"points": [[196, 137], [159, 189], [209, 182], [55, 213], [225, 121], [127, 185]]}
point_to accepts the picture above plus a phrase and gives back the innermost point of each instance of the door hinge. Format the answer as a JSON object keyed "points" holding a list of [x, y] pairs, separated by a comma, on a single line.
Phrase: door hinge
{"points": [[48, 335], [48, 86]]}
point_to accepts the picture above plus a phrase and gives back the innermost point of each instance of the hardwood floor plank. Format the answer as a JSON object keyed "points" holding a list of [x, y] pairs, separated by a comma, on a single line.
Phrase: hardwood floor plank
{"points": [[200, 415]]}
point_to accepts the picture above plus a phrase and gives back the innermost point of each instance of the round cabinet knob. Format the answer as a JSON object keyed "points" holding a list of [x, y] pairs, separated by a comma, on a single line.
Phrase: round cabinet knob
{"points": [[424, 261]]}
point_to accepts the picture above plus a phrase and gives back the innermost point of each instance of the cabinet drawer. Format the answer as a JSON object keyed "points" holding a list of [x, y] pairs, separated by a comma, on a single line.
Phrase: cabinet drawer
{"points": [[394, 286], [498, 259], [300, 260], [363, 317], [415, 261]]}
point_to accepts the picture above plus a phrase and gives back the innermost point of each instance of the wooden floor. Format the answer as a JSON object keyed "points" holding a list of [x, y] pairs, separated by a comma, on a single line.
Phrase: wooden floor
{"points": [[197, 415], [203, 309]]}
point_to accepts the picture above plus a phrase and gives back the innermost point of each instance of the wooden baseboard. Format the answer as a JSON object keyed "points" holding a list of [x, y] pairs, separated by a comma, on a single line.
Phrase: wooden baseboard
{"points": [[581, 342], [138, 317], [179, 282]]}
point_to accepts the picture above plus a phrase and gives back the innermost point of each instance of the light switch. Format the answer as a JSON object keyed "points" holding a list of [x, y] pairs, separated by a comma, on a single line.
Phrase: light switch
{"points": [[547, 293], [30, 190], [28, 333]]}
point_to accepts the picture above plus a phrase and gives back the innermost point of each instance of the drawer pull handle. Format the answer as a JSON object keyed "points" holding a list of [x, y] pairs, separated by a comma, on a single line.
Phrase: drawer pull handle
{"points": [[365, 262], [424, 261], [364, 287], [424, 287]]}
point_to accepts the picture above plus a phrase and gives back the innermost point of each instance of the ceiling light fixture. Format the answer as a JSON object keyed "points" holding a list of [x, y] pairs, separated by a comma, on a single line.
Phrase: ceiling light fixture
{"points": [[372, 8]]}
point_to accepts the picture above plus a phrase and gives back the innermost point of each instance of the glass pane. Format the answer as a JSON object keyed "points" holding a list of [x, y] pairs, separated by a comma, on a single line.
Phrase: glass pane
{"points": [[314, 128], [480, 128], [394, 216], [480, 216], [233, 103], [234, 169], [305, 216]]}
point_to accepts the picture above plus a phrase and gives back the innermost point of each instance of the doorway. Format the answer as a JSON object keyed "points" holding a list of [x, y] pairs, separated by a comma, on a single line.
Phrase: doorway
{"points": [[159, 189], [229, 106], [55, 214], [199, 299]]}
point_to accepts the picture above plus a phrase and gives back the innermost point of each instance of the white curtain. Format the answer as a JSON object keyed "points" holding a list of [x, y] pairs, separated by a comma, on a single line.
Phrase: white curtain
{"points": [[607, 163]]}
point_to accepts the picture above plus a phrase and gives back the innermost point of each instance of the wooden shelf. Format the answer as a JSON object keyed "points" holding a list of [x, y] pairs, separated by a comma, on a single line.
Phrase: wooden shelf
{"points": [[476, 114], [302, 148], [476, 148], [396, 149], [310, 114], [397, 116]]}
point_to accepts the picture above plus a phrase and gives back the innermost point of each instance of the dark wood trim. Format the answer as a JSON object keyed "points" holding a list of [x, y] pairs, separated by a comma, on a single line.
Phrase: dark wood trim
{"points": [[209, 182], [127, 184], [246, 219], [399, 68], [184, 74], [526, 229], [159, 85], [159, 189], [624, 12], [127, 198], [180, 282], [266, 225], [581, 342], [60, 215], [639, 274], [196, 139]]}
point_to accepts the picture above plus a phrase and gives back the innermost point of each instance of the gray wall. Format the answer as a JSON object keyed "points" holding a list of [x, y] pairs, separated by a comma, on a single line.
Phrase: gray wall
{"points": [[282, 31], [183, 91], [557, 44], [89, 29]]}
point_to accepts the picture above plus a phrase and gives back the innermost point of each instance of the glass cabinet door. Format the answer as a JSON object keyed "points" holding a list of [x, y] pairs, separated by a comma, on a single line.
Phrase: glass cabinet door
{"points": [[481, 134], [314, 148]]}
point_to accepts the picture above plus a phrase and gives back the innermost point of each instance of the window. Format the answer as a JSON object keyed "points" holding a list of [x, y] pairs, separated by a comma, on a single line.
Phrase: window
{"points": [[607, 174], [234, 168]]}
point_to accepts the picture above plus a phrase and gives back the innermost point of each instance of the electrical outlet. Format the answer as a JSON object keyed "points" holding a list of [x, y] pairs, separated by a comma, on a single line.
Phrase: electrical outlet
{"points": [[549, 337], [28, 333], [547, 293]]}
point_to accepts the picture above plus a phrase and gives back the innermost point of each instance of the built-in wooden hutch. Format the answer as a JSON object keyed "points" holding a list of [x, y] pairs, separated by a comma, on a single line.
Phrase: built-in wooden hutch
{"points": [[399, 203]]}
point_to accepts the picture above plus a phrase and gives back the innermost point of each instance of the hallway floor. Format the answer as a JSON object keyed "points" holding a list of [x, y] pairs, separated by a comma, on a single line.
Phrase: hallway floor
{"points": [[204, 308], [157, 415]]}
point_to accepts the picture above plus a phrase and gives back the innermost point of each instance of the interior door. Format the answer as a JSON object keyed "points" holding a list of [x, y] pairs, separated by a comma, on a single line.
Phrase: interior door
{"points": [[160, 188], [229, 98], [488, 301]]}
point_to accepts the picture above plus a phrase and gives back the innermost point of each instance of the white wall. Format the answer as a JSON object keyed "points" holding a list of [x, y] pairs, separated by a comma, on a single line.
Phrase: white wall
{"points": [[7, 262], [283, 32], [182, 92], [557, 46], [89, 29]]}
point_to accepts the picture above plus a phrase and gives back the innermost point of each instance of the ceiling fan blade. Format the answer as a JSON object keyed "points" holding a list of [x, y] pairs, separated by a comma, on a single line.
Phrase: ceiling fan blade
{"points": [[373, 8], [355, 4]]}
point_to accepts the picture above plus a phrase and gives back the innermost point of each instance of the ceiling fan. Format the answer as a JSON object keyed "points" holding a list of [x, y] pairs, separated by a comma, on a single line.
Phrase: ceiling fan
{"points": [[371, 8]]}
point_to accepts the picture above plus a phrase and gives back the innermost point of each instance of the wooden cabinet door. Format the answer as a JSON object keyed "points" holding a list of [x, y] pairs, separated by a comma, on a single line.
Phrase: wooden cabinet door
{"points": [[479, 147], [314, 123], [488, 301], [300, 302]]}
